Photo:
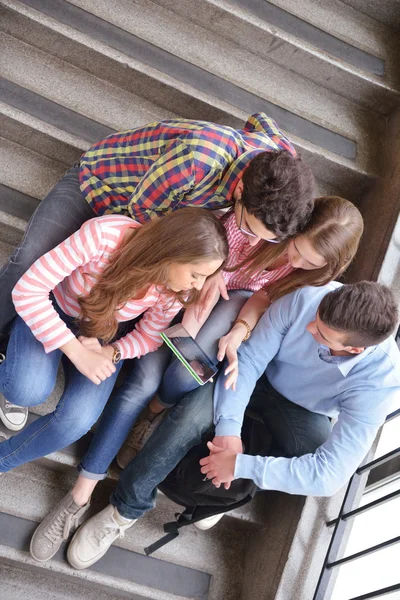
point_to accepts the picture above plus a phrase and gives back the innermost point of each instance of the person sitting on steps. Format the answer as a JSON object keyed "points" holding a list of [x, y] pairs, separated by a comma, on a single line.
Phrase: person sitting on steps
{"points": [[145, 173], [317, 354]]}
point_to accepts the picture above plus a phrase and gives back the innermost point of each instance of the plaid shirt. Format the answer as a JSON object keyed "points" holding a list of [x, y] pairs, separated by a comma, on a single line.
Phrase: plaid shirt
{"points": [[146, 172]]}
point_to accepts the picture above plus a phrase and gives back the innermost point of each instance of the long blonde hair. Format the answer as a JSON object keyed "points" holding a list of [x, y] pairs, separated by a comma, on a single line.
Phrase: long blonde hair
{"points": [[334, 231], [188, 235]]}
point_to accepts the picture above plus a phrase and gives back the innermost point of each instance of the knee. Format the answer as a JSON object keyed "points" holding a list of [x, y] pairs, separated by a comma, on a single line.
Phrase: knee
{"points": [[177, 382], [308, 442], [194, 413], [23, 392]]}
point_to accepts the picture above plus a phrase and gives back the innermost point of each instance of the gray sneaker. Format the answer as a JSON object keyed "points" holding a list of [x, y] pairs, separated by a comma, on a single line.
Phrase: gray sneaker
{"points": [[55, 528], [140, 433], [14, 417], [93, 538]]}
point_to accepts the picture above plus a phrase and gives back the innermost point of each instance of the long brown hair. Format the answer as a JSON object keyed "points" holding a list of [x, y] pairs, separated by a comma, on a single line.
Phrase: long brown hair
{"points": [[334, 230], [188, 235]]}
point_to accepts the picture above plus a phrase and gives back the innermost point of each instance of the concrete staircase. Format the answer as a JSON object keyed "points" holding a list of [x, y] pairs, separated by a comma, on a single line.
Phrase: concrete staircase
{"points": [[72, 72]]}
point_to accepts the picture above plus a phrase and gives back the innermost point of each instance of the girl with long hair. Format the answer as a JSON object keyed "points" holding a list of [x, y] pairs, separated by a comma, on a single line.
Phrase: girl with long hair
{"points": [[319, 255], [101, 296]]}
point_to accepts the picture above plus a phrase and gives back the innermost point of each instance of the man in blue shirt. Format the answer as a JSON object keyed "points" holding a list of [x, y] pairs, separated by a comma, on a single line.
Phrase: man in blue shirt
{"points": [[317, 353], [326, 353]]}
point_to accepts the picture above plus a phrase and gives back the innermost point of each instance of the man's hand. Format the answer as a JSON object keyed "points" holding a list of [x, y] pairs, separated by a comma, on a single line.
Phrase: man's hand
{"points": [[229, 442], [220, 465], [213, 288]]}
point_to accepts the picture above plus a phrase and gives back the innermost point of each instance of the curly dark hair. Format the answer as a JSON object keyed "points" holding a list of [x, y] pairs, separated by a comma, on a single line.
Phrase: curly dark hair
{"points": [[279, 190], [367, 311]]}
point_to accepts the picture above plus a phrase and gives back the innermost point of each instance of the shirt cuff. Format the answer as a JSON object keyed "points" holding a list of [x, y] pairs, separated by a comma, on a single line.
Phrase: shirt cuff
{"points": [[245, 466], [228, 427]]}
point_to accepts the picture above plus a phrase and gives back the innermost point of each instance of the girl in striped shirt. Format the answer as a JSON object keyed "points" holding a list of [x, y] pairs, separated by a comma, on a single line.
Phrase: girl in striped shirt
{"points": [[101, 296], [255, 275]]}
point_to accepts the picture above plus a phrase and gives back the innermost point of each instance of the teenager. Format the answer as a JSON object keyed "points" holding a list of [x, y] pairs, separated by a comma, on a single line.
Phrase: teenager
{"points": [[317, 354], [149, 171], [318, 255], [330, 241], [114, 281]]}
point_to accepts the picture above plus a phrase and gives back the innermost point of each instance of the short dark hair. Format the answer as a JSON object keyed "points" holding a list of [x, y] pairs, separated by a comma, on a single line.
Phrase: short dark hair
{"points": [[279, 190], [366, 311]]}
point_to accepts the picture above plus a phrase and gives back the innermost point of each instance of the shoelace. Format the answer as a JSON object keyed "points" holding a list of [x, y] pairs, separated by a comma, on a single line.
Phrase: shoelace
{"points": [[103, 534], [61, 526], [12, 407]]}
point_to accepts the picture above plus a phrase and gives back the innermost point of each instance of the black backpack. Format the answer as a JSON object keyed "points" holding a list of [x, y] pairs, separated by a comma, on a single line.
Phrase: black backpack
{"points": [[186, 486]]}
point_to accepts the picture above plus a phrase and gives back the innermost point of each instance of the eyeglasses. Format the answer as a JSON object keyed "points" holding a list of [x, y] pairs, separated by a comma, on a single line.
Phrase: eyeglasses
{"points": [[250, 233]]}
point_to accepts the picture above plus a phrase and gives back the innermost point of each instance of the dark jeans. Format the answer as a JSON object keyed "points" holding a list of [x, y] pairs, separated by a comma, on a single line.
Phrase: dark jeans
{"points": [[59, 215], [295, 431]]}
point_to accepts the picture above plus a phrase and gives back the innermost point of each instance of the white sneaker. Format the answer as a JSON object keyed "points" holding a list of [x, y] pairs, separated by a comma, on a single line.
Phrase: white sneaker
{"points": [[93, 538], [209, 522], [14, 417]]}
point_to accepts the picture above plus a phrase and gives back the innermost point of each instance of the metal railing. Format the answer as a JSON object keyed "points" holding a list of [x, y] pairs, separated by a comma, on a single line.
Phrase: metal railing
{"points": [[349, 510]]}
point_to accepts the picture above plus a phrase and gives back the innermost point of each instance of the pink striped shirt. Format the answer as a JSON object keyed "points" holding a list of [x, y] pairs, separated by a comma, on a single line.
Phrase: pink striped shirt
{"points": [[239, 249], [70, 270]]}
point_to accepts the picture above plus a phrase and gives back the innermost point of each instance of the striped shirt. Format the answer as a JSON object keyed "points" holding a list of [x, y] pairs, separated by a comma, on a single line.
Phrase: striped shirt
{"points": [[239, 249], [149, 171], [69, 271]]}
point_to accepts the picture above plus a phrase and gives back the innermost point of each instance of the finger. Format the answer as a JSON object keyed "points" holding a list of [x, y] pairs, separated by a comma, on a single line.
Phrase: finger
{"points": [[216, 482], [205, 461], [206, 470], [231, 367], [222, 289], [227, 485], [222, 349], [213, 448], [94, 379], [229, 383]]}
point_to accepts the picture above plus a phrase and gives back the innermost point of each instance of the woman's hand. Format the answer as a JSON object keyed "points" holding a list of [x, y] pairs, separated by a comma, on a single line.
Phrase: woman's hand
{"points": [[213, 288], [90, 343], [227, 347], [94, 364]]}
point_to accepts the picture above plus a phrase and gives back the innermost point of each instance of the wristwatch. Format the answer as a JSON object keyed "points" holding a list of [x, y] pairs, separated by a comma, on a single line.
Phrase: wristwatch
{"points": [[245, 323], [117, 354]]}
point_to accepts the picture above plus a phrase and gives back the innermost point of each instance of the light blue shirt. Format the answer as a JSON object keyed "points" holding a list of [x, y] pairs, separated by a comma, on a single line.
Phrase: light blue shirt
{"points": [[358, 390]]}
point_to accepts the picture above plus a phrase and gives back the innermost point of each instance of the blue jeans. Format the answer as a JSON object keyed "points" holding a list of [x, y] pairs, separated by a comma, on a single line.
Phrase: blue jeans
{"points": [[295, 431], [59, 215], [157, 371], [27, 378]]}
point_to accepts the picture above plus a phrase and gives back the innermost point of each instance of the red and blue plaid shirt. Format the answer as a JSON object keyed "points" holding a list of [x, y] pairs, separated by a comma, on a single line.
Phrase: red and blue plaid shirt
{"points": [[149, 171]]}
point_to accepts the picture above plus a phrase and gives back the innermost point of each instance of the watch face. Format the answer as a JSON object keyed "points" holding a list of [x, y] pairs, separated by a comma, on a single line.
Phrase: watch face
{"points": [[117, 356]]}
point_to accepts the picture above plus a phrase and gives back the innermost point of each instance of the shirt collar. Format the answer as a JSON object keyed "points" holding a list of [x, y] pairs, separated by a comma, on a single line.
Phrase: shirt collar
{"points": [[235, 172], [344, 363]]}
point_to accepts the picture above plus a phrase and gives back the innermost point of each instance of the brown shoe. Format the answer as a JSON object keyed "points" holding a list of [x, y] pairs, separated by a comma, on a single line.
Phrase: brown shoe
{"points": [[146, 424]]}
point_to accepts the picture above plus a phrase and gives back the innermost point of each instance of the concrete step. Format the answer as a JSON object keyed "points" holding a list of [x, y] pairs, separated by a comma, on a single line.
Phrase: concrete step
{"points": [[28, 171], [20, 583], [194, 559], [73, 88], [347, 21], [277, 35], [271, 82], [384, 11], [106, 50]]}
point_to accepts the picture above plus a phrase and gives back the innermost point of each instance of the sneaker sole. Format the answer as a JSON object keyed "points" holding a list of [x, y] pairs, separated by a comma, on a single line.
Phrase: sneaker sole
{"points": [[9, 425]]}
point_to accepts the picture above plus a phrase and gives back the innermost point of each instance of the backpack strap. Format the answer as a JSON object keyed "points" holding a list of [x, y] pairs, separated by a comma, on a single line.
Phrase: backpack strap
{"points": [[172, 530], [191, 515]]}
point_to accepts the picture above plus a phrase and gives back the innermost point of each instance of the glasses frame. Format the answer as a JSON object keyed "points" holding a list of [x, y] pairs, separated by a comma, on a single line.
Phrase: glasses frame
{"points": [[251, 234]]}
